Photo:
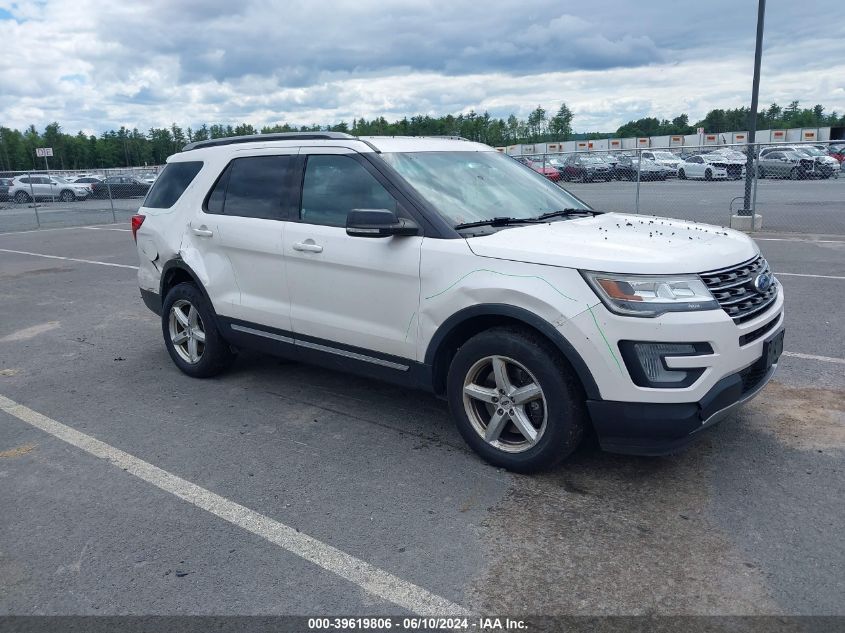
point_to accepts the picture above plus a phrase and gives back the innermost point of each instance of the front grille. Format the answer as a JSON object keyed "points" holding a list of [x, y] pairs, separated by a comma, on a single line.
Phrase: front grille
{"points": [[736, 292]]}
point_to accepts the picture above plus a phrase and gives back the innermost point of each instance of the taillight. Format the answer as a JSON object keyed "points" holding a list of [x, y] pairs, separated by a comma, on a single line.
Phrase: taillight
{"points": [[137, 221]]}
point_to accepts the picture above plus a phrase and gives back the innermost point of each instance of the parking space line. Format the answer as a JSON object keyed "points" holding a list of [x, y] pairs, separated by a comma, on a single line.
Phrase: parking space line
{"points": [[809, 275], [60, 228], [70, 259], [824, 359], [796, 239], [368, 577]]}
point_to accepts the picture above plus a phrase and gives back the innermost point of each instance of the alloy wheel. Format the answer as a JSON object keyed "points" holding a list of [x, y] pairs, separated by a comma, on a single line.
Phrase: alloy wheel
{"points": [[505, 404], [187, 333]]}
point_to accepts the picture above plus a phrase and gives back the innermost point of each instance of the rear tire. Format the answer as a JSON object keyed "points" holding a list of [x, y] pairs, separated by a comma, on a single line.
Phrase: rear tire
{"points": [[67, 196], [193, 341], [682, 174], [515, 401], [761, 172]]}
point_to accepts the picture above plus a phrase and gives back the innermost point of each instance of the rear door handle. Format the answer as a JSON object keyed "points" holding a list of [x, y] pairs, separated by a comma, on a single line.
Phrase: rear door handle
{"points": [[308, 246], [202, 231]]}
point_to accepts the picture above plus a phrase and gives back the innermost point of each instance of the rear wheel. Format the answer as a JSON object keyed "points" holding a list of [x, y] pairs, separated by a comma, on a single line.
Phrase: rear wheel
{"points": [[761, 173], [514, 400], [67, 196], [682, 174], [191, 335]]}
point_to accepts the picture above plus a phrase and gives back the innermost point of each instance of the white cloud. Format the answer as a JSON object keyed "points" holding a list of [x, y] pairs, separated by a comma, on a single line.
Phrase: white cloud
{"points": [[96, 66]]}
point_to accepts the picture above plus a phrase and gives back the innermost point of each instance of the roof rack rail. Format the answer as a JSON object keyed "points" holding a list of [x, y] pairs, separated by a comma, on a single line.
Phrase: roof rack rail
{"points": [[281, 136]]}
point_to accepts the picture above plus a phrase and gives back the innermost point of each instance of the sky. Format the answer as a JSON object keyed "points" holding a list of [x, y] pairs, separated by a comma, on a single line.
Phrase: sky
{"points": [[96, 65]]}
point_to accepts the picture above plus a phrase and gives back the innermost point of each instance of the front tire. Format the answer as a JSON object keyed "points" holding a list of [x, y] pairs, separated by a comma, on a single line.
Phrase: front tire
{"points": [[515, 401], [708, 175], [22, 197], [67, 196], [193, 341], [682, 174]]}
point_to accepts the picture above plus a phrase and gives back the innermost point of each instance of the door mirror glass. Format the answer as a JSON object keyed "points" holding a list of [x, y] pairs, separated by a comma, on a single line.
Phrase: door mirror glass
{"points": [[378, 223]]}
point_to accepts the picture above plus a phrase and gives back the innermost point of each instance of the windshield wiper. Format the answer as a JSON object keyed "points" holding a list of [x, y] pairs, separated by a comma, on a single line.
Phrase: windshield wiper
{"points": [[500, 221], [565, 212]]}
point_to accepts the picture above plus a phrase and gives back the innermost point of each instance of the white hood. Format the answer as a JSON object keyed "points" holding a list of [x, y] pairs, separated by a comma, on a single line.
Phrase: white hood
{"points": [[613, 242]]}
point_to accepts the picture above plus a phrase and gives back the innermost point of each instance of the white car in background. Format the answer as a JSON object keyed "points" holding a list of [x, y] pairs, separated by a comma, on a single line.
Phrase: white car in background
{"points": [[41, 187], [148, 178], [665, 159], [698, 167]]}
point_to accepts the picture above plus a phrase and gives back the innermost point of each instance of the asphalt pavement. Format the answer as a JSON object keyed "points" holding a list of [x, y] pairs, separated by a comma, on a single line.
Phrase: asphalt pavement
{"points": [[746, 521]]}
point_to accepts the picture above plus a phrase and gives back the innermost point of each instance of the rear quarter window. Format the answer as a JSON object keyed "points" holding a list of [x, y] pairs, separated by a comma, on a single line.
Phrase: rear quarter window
{"points": [[171, 184]]}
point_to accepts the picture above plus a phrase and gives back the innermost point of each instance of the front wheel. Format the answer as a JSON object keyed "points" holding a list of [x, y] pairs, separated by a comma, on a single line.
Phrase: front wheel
{"points": [[191, 335], [515, 401], [67, 196], [708, 175], [21, 197], [796, 174], [682, 174]]}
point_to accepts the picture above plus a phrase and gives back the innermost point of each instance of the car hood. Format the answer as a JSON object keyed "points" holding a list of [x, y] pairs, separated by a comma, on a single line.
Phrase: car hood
{"points": [[614, 242]]}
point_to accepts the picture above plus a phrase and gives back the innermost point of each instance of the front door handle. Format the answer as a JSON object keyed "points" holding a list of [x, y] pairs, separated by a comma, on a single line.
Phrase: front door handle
{"points": [[308, 246], [202, 231]]}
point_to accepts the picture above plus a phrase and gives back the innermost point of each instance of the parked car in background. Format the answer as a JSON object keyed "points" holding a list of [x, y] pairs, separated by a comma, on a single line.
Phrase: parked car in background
{"points": [[546, 170], [837, 152], [119, 187], [87, 182], [586, 168], [731, 161], [824, 166], [148, 178], [37, 187], [698, 167], [781, 163], [627, 167], [665, 159], [5, 183]]}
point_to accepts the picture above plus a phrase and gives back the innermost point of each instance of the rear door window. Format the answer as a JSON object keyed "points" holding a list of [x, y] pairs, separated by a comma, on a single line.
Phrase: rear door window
{"points": [[254, 187]]}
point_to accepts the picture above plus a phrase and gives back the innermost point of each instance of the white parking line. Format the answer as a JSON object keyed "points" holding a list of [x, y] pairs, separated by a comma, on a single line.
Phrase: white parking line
{"points": [[368, 577], [61, 228], [70, 259], [103, 228], [796, 239], [824, 359], [808, 275]]}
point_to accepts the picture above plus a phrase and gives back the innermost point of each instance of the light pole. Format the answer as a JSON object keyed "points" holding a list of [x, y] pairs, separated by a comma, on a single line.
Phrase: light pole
{"points": [[747, 210]]}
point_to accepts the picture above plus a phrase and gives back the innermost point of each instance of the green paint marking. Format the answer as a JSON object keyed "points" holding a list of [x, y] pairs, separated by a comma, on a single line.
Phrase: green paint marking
{"points": [[496, 272], [408, 329], [609, 348]]}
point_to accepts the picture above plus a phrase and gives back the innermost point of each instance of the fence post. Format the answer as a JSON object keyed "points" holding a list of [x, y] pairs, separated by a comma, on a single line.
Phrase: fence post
{"points": [[756, 149], [34, 202], [639, 167], [111, 200]]}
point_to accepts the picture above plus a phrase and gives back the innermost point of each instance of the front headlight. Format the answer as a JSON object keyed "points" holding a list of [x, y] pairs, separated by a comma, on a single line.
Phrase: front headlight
{"points": [[650, 296]]}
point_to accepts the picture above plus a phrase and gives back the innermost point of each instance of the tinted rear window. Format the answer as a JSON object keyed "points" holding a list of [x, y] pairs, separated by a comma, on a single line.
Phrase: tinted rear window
{"points": [[171, 184]]}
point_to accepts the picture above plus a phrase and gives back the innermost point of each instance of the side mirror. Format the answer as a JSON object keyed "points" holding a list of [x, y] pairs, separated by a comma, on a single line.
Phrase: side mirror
{"points": [[378, 223]]}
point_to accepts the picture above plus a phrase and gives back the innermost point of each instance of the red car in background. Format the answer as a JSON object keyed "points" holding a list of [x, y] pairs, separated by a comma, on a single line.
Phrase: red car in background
{"points": [[837, 151], [546, 170]]}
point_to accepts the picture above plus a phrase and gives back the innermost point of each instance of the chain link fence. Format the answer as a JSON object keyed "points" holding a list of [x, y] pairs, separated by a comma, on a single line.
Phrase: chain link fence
{"points": [[58, 198], [796, 187]]}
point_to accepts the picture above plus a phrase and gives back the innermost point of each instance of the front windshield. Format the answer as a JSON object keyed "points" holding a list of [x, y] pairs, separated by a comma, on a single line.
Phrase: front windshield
{"points": [[474, 186]]}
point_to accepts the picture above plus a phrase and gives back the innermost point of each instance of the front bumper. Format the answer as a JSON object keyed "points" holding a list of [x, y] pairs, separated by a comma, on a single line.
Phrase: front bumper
{"points": [[638, 428]]}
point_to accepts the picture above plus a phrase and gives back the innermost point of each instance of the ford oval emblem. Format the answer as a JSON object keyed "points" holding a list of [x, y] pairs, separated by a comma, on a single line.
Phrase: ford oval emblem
{"points": [[763, 281]]}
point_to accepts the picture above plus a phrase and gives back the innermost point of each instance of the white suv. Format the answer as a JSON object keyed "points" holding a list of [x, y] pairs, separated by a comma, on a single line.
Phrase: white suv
{"points": [[441, 264]]}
